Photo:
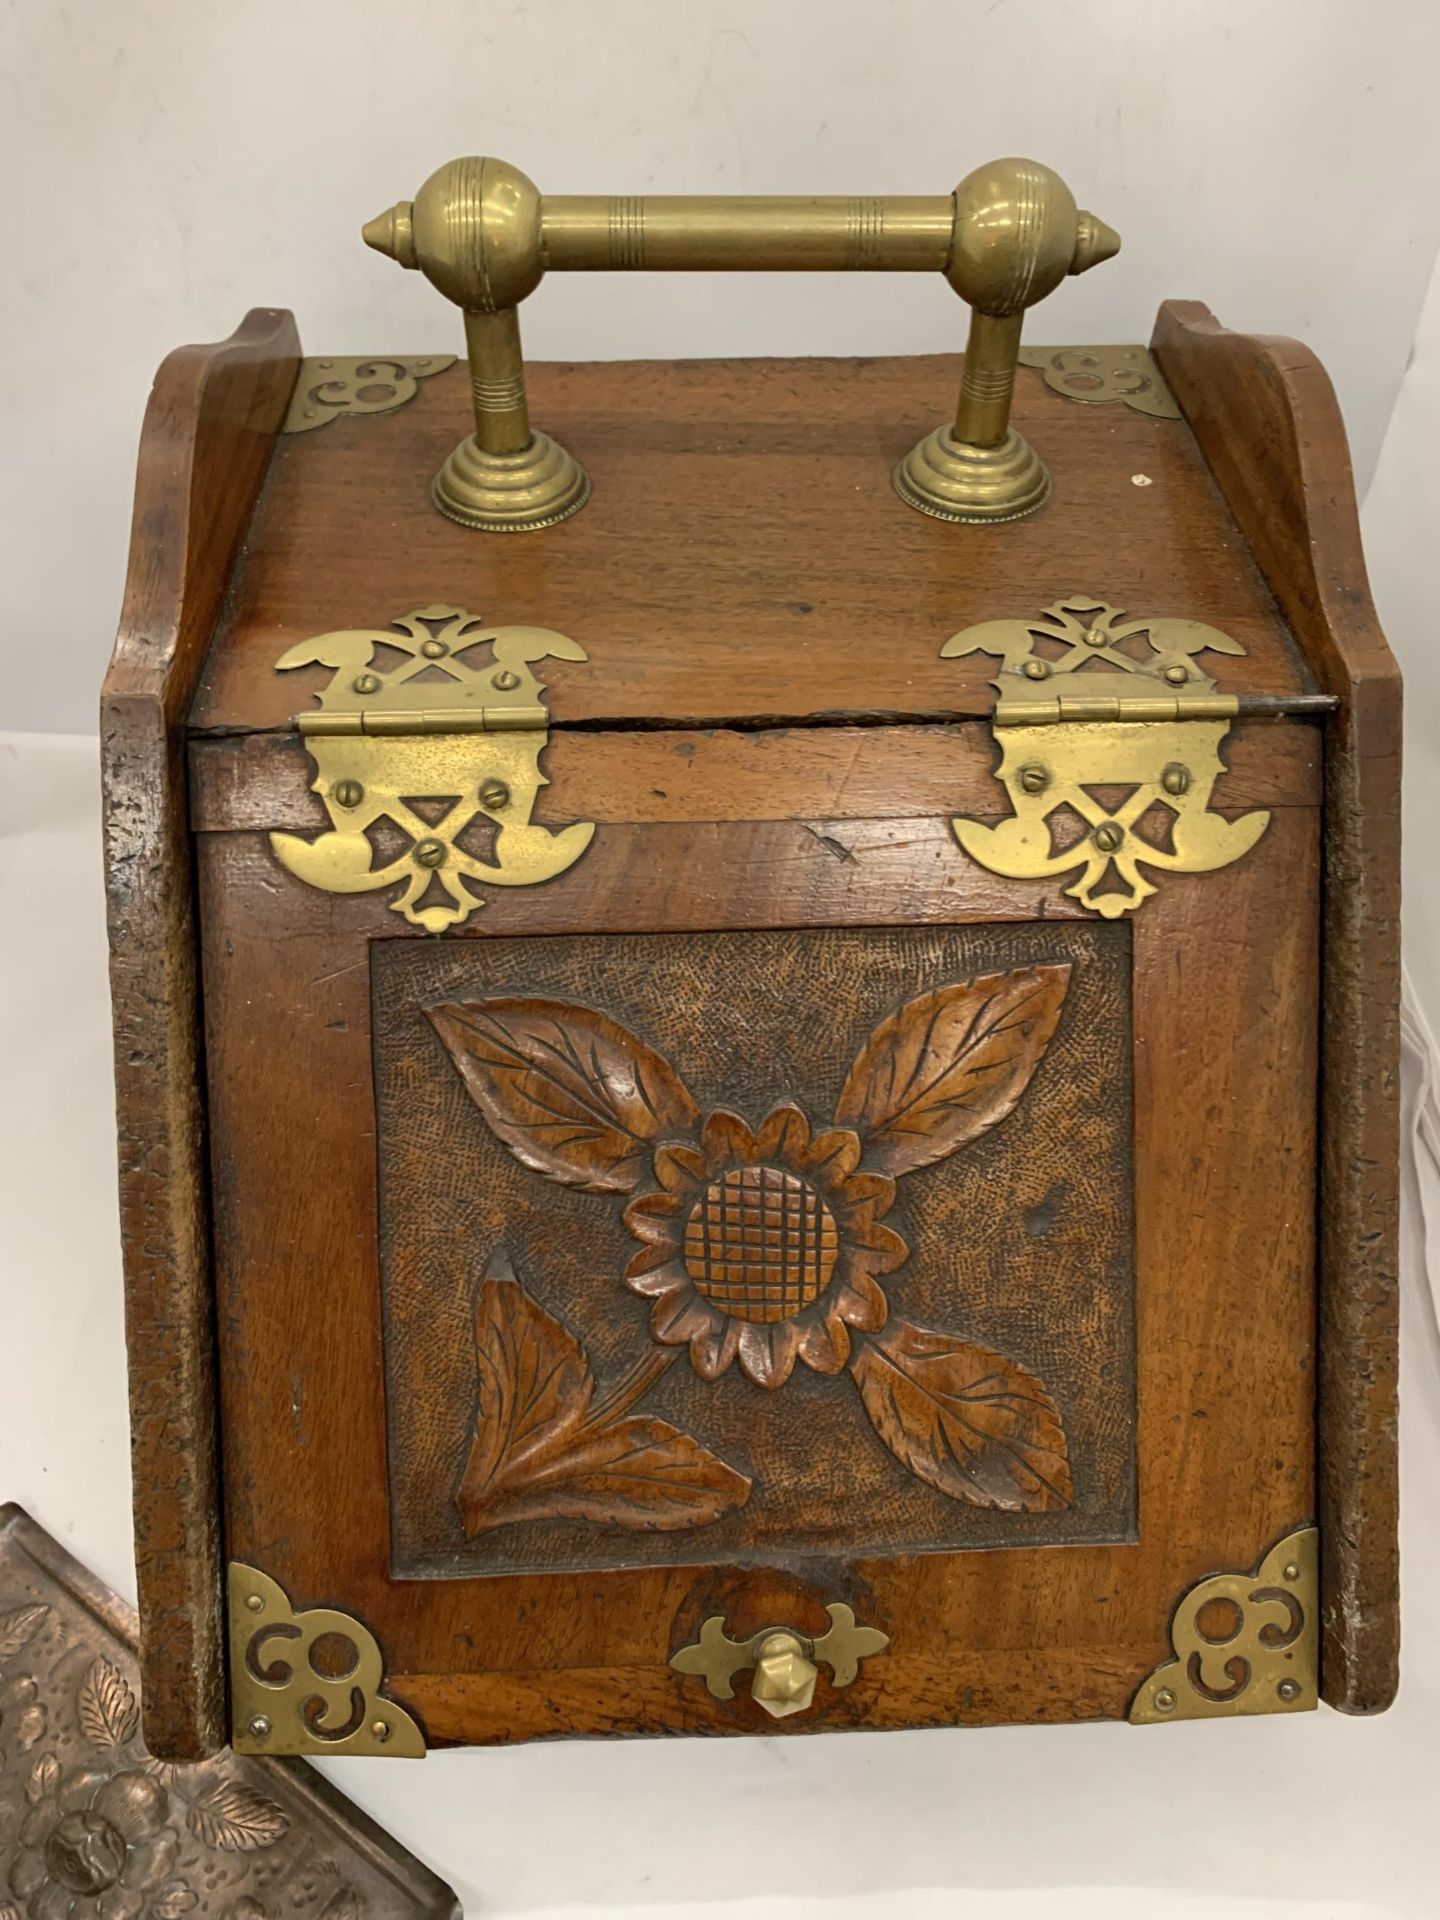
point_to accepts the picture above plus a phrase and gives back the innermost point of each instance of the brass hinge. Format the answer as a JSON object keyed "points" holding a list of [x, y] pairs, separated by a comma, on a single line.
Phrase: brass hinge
{"points": [[430, 732], [1125, 736]]}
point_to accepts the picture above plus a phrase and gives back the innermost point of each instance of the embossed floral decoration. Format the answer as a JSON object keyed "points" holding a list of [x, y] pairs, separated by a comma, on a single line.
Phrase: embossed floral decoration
{"points": [[97, 1846], [760, 1246]]}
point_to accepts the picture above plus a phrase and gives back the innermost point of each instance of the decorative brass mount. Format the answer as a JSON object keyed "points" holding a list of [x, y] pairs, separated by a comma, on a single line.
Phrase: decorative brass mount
{"points": [[481, 233], [396, 752], [369, 383], [1089, 701], [783, 1660], [1244, 1643], [307, 1682], [1101, 376]]}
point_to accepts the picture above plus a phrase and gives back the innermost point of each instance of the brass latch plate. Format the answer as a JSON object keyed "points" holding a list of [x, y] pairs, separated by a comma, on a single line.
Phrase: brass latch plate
{"points": [[430, 734]]}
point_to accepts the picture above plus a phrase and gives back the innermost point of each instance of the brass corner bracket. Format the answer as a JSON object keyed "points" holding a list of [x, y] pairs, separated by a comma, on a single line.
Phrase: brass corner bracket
{"points": [[364, 383], [1100, 376], [1244, 1643], [429, 766], [307, 1682], [783, 1660], [1108, 727]]}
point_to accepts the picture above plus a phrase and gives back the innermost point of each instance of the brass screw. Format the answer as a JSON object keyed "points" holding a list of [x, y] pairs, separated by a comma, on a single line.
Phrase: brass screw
{"points": [[494, 794], [1289, 1689], [430, 853], [347, 793], [380, 1729], [366, 683], [434, 649], [1175, 779], [254, 1602], [505, 680], [1177, 676], [1094, 637], [1034, 778], [1036, 669], [1164, 1701], [258, 1727], [1108, 836], [1291, 1570]]}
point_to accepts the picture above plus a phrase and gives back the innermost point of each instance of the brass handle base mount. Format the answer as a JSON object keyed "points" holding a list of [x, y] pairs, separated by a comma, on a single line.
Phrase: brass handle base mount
{"points": [[538, 486], [952, 480]]}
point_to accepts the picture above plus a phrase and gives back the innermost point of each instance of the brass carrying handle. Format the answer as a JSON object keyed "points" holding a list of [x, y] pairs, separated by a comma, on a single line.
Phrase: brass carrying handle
{"points": [[484, 235]]}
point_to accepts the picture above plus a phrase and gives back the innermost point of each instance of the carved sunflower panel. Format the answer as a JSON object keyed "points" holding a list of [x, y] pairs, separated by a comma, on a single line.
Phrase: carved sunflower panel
{"points": [[721, 1244]]}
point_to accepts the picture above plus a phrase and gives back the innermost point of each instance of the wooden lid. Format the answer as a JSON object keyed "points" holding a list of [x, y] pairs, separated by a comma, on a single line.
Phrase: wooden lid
{"points": [[744, 557]]}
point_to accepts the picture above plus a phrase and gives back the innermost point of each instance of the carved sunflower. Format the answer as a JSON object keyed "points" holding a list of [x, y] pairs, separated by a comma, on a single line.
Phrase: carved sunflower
{"points": [[764, 1246]]}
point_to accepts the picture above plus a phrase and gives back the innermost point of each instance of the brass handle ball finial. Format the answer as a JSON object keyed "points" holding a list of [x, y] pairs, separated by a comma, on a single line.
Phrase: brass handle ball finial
{"points": [[482, 233]]}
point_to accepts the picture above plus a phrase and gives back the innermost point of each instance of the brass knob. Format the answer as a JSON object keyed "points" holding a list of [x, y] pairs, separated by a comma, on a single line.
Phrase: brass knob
{"points": [[785, 1679], [784, 1662]]}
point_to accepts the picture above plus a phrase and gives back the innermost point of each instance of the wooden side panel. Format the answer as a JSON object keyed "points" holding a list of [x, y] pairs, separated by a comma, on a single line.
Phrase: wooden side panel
{"points": [[1265, 416], [208, 434]]}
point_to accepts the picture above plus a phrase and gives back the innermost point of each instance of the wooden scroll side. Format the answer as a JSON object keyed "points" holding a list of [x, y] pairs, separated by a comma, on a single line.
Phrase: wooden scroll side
{"points": [[209, 430], [1266, 418]]}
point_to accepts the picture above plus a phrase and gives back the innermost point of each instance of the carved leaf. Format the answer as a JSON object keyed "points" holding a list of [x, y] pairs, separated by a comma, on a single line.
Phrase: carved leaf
{"points": [[42, 1777], [107, 1709], [969, 1421], [175, 1899], [539, 1453], [950, 1064], [637, 1472], [19, 1627], [236, 1819], [343, 1904], [569, 1091]]}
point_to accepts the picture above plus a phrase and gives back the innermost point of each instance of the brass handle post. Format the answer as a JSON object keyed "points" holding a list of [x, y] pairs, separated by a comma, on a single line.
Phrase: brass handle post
{"points": [[482, 233]]}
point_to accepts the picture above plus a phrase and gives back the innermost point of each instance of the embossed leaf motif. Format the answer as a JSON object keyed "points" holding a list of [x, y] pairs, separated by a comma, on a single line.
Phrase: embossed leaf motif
{"points": [[42, 1777], [18, 1628], [173, 1900], [236, 1819], [106, 1706], [971, 1422], [542, 1450], [569, 1091], [950, 1064]]}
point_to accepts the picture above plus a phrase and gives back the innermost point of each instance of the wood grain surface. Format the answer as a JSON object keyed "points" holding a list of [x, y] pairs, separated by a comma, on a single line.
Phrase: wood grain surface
{"points": [[744, 555], [1266, 418], [207, 438]]}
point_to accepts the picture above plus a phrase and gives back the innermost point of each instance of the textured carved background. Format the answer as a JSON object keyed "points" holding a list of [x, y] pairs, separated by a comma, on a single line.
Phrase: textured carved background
{"points": [[1023, 1242]]}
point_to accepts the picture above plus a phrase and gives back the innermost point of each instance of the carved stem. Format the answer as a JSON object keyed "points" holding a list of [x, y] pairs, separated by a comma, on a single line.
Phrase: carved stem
{"points": [[632, 1387]]}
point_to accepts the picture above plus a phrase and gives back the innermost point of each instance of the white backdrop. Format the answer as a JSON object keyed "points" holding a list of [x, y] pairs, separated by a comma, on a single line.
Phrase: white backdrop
{"points": [[170, 163], [181, 163]]}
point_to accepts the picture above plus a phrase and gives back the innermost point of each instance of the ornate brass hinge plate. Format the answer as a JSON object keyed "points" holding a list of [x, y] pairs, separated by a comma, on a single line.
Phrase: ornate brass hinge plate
{"points": [[368, 383], [783, 1660], [307, 1682], [1101, 375], [1111, 728], [1244, 1643], [423, 761]]}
